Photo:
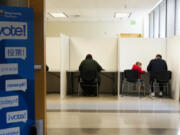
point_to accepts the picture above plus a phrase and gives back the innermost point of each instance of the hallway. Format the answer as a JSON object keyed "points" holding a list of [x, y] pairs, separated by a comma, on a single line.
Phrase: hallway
{"points": [[109, 115]]}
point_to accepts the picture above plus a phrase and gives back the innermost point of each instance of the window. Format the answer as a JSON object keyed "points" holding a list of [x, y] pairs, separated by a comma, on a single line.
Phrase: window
{"points": [[151, 25], [178, 17], [156, 22], [163, 19], [170, 18]]}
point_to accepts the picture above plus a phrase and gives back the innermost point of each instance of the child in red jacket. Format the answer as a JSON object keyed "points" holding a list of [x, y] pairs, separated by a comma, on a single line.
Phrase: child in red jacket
{"points": [[137, 67]]}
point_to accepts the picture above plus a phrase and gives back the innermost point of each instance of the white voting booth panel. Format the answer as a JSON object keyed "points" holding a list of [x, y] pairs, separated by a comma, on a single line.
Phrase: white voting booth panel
{"points": [[53, 57], [173, 60], [64, 64], [131, 50], [104, 51], [139, 49], [113, 54]]}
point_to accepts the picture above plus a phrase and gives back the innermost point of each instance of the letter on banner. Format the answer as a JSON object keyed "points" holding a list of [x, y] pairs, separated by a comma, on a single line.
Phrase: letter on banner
{"points": [[8, 69], [11, 101], [17, 84], [10, 131], [13, 30], [15, 53], [19, 116]]}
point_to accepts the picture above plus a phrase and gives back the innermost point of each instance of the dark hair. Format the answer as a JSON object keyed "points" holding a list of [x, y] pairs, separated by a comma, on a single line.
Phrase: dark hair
{"points": [[138, 63], [88, 56], [159, 55], [47, 68]]}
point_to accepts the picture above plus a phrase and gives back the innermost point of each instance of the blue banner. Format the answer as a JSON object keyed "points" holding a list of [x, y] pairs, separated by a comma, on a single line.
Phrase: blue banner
{"points": [[17, 113]]}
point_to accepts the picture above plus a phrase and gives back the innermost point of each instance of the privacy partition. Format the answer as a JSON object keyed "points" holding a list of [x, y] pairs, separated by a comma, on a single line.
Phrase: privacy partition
{"points": [[104, 50], [53, 51], [139, 49], [131, 50], [118, 54], [53, 60], [64, 65], [173, 60]]}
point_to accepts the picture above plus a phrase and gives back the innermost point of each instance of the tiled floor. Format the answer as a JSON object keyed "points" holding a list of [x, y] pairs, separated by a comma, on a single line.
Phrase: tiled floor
{"points": [[108, 115]]}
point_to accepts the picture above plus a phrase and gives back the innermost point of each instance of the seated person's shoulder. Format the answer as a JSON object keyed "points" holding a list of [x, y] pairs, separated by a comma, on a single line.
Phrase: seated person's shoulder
{"points": [[94, 61], [164, 61], [83, 61], [153, 60], [161, 60]]}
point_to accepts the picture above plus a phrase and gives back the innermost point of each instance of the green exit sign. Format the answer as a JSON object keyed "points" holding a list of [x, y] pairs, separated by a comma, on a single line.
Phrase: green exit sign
{"points": [[132, 22]]}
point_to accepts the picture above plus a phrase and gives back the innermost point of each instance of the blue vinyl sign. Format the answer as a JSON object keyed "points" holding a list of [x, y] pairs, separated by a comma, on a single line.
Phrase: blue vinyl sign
{"points": [[17, 114]]}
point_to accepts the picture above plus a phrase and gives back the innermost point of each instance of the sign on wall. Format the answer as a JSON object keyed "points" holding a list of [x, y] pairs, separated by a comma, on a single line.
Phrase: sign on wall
{"points": [[17, 113]]}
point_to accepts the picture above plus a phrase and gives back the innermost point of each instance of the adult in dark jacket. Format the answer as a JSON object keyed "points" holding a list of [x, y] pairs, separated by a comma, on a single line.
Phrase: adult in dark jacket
{"points": [[90, 68], [156, 65]]}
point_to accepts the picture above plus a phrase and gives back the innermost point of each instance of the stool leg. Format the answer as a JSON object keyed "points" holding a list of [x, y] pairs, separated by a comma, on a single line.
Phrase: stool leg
{"points": [[154, 87], [143, 87], [139, 88], [128, 86], [122, 88], [97, 90], [78, 88], [167, 90], [144, 90]]}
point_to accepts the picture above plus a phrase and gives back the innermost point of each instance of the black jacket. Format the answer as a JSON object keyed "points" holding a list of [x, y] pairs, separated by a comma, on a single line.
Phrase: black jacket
{"points": [[89, 69], [156, 65]]}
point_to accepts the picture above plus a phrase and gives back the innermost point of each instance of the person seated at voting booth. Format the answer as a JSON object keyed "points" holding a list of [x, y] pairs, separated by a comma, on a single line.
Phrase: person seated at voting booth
{"points": [[89, 76], [133, 76], [158, 67], [137, 67]]}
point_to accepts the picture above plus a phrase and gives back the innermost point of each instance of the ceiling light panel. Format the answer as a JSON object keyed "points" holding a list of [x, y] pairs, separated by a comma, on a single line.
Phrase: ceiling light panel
{"points": [[122, 15], [58, 14]]}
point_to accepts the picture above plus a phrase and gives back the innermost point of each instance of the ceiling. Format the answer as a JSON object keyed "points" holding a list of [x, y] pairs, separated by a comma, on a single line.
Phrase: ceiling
{"points": [[97, 10]]}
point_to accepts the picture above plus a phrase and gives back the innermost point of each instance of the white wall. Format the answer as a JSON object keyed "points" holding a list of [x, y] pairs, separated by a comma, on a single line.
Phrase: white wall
{"points": [[64, 64], [104, 51], [139, 49], [173, 60], [99, 48], [146, 26], [93, 29], [53, 53]]}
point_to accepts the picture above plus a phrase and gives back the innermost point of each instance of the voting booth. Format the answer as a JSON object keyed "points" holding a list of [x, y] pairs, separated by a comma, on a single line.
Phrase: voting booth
{"points": [[115, 55], [17, 114], [173, 61]]}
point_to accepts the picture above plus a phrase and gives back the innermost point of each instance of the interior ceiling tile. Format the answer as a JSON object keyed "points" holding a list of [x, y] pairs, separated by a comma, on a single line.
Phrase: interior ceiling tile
{"points": [[97, 9]]}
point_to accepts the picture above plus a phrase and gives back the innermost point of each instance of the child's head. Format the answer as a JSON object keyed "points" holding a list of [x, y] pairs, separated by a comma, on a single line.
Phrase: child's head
{"points": [[139, 63]]}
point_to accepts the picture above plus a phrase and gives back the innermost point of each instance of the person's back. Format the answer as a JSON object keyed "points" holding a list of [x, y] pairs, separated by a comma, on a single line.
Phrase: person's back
{"points": [[89, 69], [157, 65]]}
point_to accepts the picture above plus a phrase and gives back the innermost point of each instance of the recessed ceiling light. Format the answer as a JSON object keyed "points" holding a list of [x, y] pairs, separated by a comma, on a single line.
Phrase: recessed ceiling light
{"points": [[58, 14], [122, 15]]}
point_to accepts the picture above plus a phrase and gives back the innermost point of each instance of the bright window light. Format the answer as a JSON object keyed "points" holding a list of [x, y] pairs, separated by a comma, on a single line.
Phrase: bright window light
{"points": [[122, 15], [58, 15]]}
